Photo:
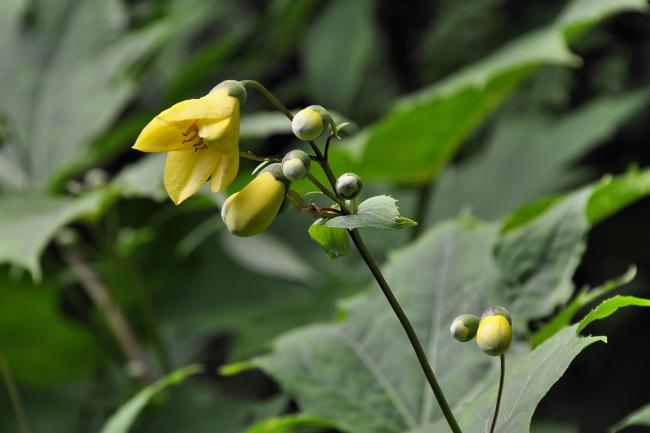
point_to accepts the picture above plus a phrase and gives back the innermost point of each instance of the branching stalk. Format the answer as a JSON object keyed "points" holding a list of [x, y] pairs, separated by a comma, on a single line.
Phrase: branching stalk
{"points": [[370, 263]]}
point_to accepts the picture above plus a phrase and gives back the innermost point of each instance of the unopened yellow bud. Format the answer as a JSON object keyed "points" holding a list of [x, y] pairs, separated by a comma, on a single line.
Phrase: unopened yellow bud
{"points": [[494, 335], [309, 123], [253, 209], [464, 327]]}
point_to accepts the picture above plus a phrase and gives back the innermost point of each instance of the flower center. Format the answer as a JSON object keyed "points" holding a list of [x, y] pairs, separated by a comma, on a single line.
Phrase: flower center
{"points": [[191, 135]]}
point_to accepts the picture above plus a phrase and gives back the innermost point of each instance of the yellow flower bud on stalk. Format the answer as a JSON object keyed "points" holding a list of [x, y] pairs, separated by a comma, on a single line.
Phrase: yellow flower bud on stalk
{"points": [[253, 209], [310, 123], [494, 335]]}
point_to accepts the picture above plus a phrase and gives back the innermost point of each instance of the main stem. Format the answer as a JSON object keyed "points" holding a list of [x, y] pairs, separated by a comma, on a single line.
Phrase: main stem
{"points": [[501, 381], [370, 262], [408, 328]]}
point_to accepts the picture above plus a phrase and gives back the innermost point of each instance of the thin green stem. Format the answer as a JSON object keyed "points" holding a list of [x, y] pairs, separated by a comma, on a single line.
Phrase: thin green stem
{"points": [[408, 328], [500, 394], [14, 395], [268, 95]]}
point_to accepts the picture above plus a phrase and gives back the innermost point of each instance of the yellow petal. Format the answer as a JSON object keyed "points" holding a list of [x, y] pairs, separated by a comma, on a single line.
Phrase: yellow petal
{"points": [[225, 171], [213, 130], [186, 171], [253, 209], [159, 136], [229, 138], [216, 105]]}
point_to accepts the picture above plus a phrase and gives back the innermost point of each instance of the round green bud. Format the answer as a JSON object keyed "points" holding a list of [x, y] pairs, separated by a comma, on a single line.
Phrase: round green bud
{"points": [[497, 310], [464, 327], [309, 123], [494, 335], [235, 89], [295, 165], [349, 185]]}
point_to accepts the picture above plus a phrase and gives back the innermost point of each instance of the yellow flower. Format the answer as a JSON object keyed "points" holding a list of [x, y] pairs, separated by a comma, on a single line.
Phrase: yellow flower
{"points": [[251, 210], [201, 138]]}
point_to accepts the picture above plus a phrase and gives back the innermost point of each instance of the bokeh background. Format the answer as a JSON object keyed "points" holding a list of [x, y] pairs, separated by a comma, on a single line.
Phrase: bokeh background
{"points": [[80, 78]]}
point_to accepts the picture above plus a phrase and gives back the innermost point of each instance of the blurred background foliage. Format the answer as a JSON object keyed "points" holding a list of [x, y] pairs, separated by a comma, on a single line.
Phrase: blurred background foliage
{"points": [[460, 107]]}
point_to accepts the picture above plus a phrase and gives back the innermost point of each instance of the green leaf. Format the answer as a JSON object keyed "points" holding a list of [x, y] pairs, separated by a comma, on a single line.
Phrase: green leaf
{"points": [[584, 297], [343, 371], [614, 193], [379, 212], [122, 420], [528, 156], [292, 424], [640, 417], [81, 57], [436, 120], [333, 240], [609, 307], [29, 221], [143, 178], [336, 84]]}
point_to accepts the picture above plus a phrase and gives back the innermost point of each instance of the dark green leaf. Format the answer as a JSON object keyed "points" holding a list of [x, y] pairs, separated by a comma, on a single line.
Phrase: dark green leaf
{"points": [[609, 307], [333, 240]]}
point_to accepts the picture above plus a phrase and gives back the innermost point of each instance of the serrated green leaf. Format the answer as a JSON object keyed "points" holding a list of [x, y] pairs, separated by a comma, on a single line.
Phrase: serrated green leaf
{"points": [[614, 193], [437, 119], [333, 240], [29, 221], [609, 307], [379, 212], [640, 417], [122, 420], [527, 157], [584, 297]]}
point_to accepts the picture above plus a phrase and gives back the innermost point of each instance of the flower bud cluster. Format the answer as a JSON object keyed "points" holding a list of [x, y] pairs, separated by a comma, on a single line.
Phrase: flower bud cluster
{"points": [[493, 332]]}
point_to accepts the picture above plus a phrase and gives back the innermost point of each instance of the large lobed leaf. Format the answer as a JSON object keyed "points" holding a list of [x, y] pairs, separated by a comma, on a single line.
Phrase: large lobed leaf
{"points": [[28, 223], [362, 373], [79, 54], [419, 136]]}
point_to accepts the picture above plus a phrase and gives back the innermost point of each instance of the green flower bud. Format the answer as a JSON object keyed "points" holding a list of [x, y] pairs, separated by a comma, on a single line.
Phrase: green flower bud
{"points": [[464, 327], [253, 209], [497, 310], [494, 335], [349, 185], [235, 89], [310, 123], [295, 165]]}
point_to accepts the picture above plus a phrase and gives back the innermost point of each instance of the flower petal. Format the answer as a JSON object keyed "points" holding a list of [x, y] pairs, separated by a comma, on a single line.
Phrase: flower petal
{"points": [[229, 139], [159, 136], [186, 171], [216, 105], [225, 171], [213, 130]]}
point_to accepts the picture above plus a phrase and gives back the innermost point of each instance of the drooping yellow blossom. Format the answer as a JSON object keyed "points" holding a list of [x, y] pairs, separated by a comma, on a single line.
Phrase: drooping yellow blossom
{"points": [[201, 138], [251, 210]]}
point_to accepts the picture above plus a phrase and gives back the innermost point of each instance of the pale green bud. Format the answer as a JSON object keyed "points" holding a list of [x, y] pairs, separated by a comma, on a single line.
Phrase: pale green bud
{"points": [[310, 123], [295, 165], [253, 209], [349, 185], [494, 335], [464, 327], [235, 89]]}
